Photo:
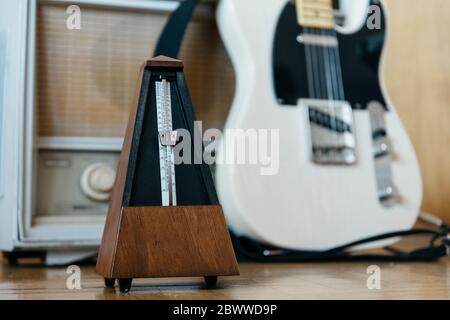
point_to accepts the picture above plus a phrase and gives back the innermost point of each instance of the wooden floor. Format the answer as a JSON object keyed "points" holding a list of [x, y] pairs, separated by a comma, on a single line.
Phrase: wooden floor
{"points": [[258, 281]]}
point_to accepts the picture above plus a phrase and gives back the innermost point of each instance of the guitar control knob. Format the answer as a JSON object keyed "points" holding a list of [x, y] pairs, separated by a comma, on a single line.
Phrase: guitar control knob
{"points": [[381, 149], [97, 181], [389, 195]]}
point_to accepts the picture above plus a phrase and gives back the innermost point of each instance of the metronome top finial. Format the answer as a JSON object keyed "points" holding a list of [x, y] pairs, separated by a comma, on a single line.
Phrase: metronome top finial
{"points": [[164, 62]]}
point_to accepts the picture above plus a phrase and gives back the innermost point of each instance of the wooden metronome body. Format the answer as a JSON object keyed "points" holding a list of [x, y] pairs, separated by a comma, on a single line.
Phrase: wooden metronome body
{"points": [[164, 220]]}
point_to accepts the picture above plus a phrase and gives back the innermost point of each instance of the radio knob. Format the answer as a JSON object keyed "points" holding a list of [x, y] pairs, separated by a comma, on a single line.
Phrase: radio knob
{"points": [[97, 181]]}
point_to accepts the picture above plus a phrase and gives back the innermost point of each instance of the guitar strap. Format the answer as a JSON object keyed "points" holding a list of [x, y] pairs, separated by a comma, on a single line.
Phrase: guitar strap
{"points": [[171, 37], [169, 44]]}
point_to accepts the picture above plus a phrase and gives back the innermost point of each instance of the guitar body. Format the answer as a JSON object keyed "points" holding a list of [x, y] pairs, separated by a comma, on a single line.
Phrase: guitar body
{"points": [[307, 205]]}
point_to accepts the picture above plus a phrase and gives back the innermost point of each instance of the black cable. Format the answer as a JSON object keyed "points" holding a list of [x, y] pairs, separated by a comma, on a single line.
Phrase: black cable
{"points": [[258, 252]]}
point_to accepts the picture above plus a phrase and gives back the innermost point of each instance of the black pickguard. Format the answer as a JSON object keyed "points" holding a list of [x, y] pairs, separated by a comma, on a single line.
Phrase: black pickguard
{"points": [[359, 52]]}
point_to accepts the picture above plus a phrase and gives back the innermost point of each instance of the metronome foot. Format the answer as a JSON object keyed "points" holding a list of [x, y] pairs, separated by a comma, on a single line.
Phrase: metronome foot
{"points": [[211, 281], [110, 282], [125, 285]]}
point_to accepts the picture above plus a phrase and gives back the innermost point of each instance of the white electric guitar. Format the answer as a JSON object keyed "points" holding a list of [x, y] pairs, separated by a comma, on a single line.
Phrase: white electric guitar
{"points": [[347, 169]]}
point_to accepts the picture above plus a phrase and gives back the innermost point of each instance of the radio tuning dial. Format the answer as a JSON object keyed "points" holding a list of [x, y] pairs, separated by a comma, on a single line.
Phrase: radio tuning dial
{"points": [[97, 181]]}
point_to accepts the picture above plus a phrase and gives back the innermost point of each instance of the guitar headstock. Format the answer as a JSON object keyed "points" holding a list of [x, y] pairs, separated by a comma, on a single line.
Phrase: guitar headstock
{"points": [[315, 13]]}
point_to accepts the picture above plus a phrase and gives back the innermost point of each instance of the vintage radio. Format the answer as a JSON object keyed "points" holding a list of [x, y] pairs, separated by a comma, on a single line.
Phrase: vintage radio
{"points": [[65, 95]]}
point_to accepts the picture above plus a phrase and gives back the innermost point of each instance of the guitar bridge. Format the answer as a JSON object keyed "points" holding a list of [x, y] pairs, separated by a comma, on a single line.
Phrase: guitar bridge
{"points": [[331, 130]]}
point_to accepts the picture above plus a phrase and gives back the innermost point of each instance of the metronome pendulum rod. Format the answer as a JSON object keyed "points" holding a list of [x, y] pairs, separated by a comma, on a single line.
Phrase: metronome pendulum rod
{"points": [[167, 140]]}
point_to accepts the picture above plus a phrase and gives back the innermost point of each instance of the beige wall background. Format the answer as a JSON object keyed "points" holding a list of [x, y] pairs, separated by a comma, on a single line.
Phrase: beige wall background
{"points": [[417, 73]]}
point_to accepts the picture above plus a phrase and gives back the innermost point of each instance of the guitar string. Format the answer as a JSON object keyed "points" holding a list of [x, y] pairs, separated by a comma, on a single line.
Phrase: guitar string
{"points": [[336, 64], [332, 71], [319, 67], [336, 74], [333, 62], [323, 71], [339, 77], [326, 50], [329, 86], [314, 69], [337, 69], [334, 81], [330, 105], [327, 66], [309, 72], [316, 74]]}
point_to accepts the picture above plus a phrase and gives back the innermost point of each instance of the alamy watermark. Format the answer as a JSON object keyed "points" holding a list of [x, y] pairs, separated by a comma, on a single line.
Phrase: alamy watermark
{"points": [[73, 22], [374, 17], [374, 280], [73, 281], [230, 147]]}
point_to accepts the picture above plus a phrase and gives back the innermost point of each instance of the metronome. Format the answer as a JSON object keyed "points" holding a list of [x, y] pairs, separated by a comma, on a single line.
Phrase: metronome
{"points": [[164, 218]]}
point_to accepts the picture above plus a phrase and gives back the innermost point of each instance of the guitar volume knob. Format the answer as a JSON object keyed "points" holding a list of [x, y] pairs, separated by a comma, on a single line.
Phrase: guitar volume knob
{"points": [[381, 149]]}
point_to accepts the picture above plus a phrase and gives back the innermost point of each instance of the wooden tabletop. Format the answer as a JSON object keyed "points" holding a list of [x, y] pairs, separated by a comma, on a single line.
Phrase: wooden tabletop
{"points": [[257, 281]]}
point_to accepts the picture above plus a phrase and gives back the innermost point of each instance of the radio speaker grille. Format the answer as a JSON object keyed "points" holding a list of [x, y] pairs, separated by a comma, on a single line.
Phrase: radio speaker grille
{"points": [[86, 78]]}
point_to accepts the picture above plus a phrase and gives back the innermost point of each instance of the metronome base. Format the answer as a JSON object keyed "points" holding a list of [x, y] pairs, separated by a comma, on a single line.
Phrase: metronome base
{"points": [[181, 241], [125, 284]]}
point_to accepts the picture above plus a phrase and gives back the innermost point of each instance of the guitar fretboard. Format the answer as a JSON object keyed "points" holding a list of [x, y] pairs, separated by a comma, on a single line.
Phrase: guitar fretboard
{"points": [[315, 13]]}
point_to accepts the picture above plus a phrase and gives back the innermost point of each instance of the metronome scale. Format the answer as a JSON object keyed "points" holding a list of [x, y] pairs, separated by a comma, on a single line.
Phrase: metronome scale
{"points": [[164, 219], [167, 140]]}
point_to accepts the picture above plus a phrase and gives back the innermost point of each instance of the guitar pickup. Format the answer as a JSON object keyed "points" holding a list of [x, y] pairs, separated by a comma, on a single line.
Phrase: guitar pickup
{"points": [[331, 131]]}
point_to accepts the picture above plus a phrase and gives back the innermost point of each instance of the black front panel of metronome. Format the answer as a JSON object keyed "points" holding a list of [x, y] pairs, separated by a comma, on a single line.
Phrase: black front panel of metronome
{"points": [[193, 182]]}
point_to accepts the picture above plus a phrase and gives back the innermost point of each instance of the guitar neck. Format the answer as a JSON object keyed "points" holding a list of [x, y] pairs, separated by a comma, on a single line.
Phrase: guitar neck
{"points": [[315, 13]]}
